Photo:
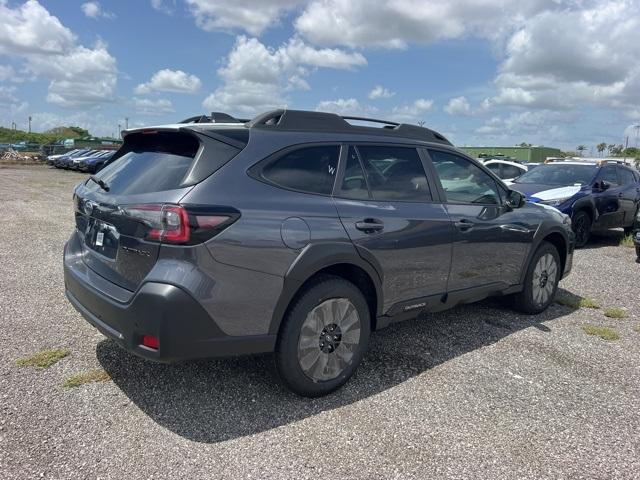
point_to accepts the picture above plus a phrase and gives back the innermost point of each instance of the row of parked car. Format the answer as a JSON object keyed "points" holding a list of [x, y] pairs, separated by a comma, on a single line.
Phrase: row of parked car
{"points": [[82, 159]]}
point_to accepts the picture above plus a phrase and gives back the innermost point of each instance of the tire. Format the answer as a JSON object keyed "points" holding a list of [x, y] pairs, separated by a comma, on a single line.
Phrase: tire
{"points": [[312, 355], [581, 225], [541, 281]]}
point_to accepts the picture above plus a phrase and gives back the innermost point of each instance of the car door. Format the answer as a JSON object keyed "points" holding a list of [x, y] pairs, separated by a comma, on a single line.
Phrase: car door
{"points": [[629, 195], [607, 197], [491, 240], [388, 209]]}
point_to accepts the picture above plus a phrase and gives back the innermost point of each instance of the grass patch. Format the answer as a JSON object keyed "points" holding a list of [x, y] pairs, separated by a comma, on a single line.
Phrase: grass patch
{"points": [[604, 333], [45, 358], [615, 312], [90, 376], [627, 241], [637, 328], [575, 302]]}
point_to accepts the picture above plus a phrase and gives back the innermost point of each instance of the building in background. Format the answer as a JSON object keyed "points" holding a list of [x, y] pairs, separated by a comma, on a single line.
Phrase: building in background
{"points": [[523, 154]]}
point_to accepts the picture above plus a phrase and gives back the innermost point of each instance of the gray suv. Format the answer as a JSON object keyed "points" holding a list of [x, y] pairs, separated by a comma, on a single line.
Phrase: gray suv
{"points": [[298, 233]]}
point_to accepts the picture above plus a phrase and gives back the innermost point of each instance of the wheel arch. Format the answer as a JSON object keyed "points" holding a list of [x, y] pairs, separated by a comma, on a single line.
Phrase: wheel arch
{"points": [[339, 259], [557, 238]]}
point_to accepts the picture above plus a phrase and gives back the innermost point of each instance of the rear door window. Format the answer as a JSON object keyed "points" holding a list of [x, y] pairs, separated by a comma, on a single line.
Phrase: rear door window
{"points": [[495, 168], [395, 173], [627, 176], [511, 171], [307, 169], [354, 183]]}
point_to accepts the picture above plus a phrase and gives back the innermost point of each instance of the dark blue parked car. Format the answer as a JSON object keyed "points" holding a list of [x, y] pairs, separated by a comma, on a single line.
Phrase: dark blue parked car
{"points": [[63, 160], [95, 162], [597, 196]]}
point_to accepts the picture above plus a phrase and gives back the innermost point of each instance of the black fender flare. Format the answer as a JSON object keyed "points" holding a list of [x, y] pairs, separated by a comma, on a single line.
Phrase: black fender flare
{"points": [[543, 232], [315, 257], [585, 203]]}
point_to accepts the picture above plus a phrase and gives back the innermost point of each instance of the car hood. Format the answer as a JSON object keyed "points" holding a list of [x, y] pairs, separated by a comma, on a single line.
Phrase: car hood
{"points": [[536, 192]]}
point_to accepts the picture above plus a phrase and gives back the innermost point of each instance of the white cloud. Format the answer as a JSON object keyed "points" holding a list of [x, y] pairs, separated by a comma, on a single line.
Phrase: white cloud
{"points": [[7, 95], [582, 55], [83, 76], [458, 106], [360, 23], [345, 106], [256, 77], [9, 74], [146, 106], [94, 10], [77, 75], [252, 16], [167, 80], [31, 29], [412, 112], [164, 6], [380, 92]]}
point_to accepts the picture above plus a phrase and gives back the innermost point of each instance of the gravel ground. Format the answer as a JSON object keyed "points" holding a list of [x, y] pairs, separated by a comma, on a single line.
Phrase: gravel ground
{"points": [[477, 392]]}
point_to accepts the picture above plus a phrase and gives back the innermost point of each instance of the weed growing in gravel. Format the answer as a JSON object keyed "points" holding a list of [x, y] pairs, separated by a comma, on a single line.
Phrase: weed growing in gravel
{"points": [[576, 302], [96, 375], [45, 358], [637, 328], [602, 332], [627, 241], [615, 312]]}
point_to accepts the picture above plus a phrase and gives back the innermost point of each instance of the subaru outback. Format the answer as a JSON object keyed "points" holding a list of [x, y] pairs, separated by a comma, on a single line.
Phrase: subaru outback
{"points": [[298, 233]]}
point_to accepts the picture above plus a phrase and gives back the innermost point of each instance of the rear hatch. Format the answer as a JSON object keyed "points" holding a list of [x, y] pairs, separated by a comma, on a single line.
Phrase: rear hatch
{"points": [[132, 206]]}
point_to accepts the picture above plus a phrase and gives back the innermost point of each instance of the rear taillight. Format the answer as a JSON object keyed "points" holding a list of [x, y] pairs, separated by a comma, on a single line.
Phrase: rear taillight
{"points": [[178, 224]]}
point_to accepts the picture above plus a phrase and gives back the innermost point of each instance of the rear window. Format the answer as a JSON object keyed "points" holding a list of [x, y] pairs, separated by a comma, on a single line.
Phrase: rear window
{"points": [[163, 161]]}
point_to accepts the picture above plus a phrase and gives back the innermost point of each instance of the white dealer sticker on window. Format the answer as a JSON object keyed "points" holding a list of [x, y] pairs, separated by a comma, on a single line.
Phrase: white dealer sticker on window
{"points": [[99, 239]]}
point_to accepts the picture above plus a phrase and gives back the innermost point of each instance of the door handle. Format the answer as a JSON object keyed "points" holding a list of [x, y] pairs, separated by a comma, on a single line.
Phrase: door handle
{"points": [[464, 224], [370, 225], [620, 194]]}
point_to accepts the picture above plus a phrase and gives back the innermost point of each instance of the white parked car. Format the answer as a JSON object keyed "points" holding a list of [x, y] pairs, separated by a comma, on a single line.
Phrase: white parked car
{"points": [[505, 169]]}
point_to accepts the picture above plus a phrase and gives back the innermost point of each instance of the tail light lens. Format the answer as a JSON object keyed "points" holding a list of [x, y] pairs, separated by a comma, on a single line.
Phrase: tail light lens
{"points": [[178, 224]]}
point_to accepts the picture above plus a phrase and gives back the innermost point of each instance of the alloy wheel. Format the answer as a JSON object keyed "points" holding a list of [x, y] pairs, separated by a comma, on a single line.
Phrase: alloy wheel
{"points": [[329, 337], [545, 277]]}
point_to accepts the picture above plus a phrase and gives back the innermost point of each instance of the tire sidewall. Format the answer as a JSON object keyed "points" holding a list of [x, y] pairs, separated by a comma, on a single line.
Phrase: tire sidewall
{"points": [[286, 355]]}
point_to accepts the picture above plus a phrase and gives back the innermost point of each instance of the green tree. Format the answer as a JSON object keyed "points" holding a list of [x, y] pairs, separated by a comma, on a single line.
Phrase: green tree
{"points": [[601, 147], [581, 149], [524, 144]]}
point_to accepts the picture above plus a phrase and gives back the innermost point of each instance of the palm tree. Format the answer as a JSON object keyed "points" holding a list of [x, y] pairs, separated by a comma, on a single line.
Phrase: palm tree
{"points": [[581, 149], [611, 148], [601, 147]]}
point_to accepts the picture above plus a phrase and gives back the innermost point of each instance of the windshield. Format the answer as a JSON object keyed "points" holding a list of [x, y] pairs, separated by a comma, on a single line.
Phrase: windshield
{"points": [[559, 174]]}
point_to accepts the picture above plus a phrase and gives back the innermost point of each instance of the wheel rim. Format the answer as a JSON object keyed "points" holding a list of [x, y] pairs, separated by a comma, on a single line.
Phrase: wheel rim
{"points": [[329, 338], [580, 229], [545, 276]]}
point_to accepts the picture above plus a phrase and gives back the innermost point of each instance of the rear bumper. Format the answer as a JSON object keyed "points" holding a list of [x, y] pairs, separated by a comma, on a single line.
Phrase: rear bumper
{"points": [[568, 264], [184, 329]]}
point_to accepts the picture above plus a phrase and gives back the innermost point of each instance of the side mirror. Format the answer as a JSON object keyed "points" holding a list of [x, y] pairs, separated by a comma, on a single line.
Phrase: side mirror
{"points": [[604, 185], [515, 199]]}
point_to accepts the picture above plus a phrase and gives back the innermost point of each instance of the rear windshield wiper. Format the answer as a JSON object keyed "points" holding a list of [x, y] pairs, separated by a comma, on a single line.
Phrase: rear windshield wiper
{"points": [[101, 183]]}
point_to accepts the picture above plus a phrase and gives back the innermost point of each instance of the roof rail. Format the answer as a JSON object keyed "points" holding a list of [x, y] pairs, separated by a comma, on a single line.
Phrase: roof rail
{"points": [[303, 120], [215, 117]]}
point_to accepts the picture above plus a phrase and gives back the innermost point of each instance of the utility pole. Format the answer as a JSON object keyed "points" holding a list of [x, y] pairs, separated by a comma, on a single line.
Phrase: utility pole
{"points": [[637, 127], [120, 131], [29, 123], [126, 123]]}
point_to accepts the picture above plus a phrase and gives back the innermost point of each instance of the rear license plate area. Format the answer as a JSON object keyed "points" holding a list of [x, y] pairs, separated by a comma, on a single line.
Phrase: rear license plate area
{"points": [[102, 237]]}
